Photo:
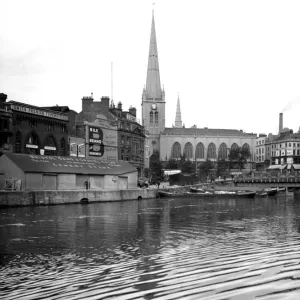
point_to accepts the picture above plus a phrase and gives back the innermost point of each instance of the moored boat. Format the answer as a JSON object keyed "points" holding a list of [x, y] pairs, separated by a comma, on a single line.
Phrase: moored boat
{"points": [[163, 193]]}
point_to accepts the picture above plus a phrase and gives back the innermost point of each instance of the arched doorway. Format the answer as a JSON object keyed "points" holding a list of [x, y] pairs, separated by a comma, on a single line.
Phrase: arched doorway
{"points": [[50, 146], [32, 143]]}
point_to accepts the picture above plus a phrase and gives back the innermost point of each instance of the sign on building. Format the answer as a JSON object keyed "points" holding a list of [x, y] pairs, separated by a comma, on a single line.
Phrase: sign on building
{"points": [[102, 140], [289, 152]]}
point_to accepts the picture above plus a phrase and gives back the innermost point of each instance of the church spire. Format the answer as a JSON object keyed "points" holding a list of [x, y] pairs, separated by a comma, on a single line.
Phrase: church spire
{"points": [[178, 122], [153, 87]]}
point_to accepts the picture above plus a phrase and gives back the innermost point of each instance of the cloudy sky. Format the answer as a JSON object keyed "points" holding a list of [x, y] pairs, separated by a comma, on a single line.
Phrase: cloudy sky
{"points": [[235, 64]]}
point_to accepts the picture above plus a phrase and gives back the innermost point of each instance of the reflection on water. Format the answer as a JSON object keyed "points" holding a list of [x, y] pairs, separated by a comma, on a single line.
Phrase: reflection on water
{"points": [[162, 249]]}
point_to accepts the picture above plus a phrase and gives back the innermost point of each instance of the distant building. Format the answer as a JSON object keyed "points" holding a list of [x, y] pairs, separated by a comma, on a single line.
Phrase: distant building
{"points": [[196, 144], [130, 134], [37, 130], [260, 148], [6, 126]]}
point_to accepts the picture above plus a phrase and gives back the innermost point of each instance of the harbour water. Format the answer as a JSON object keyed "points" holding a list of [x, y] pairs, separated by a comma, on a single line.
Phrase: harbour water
{"points": [[153, 249]]}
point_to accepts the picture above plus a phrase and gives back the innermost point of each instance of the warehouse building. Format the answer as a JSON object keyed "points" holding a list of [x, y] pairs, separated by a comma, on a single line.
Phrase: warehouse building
{"points": [[38, 172]]}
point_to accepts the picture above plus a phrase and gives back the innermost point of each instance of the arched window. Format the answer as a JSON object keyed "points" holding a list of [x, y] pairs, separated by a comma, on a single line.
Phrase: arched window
{"points": [[32, 143], [246, 146], [62, 147], [222, 151], [176, 150], [234, 146], [188, 151], [50, 146], [18, 142], [156, 117], [200, 151], [151, 117], [211, 151]]}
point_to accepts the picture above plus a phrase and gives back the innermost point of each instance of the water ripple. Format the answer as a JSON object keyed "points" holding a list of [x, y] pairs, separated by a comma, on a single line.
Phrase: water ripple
{"points": [[157, 249]]}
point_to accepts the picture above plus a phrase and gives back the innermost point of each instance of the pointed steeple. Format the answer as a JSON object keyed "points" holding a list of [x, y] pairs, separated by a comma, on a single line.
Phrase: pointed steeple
{"points": [[178, 122], [153, 88]]}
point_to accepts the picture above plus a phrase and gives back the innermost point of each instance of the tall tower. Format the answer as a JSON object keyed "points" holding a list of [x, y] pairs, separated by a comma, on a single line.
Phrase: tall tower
{"points": [[178, 122], [153, 97]]}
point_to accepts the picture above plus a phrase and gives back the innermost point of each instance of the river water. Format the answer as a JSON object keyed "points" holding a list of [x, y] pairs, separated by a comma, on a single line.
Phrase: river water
{"points": [[152, 249]]}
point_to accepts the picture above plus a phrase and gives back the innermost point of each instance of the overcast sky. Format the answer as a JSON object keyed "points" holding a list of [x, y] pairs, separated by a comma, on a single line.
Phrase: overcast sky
{"points": [[235, 64]]}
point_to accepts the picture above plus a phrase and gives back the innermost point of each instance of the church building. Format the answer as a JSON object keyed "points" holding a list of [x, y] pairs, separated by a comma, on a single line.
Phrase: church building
{"points": [[197, 144]]}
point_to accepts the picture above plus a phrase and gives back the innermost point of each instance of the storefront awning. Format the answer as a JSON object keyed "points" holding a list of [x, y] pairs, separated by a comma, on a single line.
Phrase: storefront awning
{"points": [[171, 172], [274, 167], [236, 173]]}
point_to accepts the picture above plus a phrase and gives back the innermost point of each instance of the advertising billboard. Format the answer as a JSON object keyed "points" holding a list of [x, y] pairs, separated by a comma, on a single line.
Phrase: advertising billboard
{"points": [[102, 142]]}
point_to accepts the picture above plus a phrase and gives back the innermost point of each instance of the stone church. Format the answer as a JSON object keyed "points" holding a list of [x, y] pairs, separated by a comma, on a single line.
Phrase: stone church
{"points": [[197, 144]]}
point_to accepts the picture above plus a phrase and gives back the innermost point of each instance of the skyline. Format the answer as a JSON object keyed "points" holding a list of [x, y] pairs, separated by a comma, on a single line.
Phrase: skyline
{"points": [[239, 61]]}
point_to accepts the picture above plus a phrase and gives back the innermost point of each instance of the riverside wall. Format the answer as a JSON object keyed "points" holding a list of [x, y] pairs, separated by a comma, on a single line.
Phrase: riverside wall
{"points": [[55, 197]]}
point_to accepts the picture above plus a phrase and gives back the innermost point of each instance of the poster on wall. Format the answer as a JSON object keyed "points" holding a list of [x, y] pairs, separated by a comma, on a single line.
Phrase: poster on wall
{"points": [[289, 152], [73, 149], [81, 150], [102, 143], [276, 161]]}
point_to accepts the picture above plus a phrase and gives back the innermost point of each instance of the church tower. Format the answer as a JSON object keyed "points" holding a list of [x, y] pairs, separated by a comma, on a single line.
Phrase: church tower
{"points": [[153, 98], [178, 122]]}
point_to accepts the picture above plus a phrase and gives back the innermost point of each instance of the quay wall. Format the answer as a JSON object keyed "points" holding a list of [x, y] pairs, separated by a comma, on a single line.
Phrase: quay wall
{"points": [[55, 197]]}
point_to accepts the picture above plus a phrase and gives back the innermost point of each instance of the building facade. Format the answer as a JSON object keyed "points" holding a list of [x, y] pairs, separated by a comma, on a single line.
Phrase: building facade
{"points": [[285, 149], [130, 133], [197, 144], [6, 125], [36, 130]]}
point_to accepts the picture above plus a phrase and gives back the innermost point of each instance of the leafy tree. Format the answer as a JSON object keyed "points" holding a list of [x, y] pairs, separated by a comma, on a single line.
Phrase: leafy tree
{"points": [[206, 166], [172, 164], [239, 156], [156, 171], [188, 167], [222, 166]]}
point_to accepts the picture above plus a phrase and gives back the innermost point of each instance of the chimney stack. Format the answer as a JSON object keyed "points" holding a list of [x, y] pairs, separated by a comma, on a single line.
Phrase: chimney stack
{"points": [[280, 122]]}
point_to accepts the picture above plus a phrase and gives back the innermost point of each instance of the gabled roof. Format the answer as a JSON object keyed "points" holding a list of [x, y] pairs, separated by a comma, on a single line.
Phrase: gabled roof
{"points": [[68, 165], [206, 131]]}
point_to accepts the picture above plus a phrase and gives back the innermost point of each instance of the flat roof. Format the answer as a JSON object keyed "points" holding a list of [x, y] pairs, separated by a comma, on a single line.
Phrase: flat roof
{"points": [[69, 165]]}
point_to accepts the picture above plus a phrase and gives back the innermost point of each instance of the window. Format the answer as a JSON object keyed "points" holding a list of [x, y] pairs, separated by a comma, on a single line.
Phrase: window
{"points": [[211, 151], [234, 147], [176, 150], [156, 117], [18, 142], [290, 144], [50, 146], [33, 123], [50, 127], [122, 140], [18, 122], [188, 151], [200, 151], [151, 117], [62, 147], [222, 151]]}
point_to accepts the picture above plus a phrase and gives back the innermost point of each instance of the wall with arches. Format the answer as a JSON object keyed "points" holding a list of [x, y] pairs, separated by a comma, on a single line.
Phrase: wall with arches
{"points": [[203, 148]]}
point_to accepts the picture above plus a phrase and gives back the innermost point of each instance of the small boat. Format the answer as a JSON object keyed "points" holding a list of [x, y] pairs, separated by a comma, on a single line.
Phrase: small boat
{"points": [[162, 193], [280, 189], [262, 194], [271, 191], [197, 190], [248, 194]]}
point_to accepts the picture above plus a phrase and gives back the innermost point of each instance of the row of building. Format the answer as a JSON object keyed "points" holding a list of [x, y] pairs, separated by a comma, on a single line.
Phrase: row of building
{"points": [[105, 131], [278, 151], [100, 130]]}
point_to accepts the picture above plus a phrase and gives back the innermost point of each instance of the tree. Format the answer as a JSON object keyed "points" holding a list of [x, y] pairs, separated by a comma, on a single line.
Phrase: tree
{"points": [[206, 166], [239, 156], [172, 164], [222, 166], [188, 167], [156, 171]]}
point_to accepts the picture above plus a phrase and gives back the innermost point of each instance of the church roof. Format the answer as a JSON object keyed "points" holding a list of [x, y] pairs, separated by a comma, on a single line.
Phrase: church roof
{"points": [[205, 132]]}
